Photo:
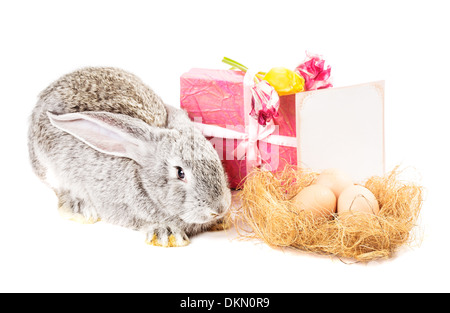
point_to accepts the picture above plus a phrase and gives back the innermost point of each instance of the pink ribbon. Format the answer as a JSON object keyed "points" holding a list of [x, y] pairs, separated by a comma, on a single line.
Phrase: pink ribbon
{"points": [[254, 130]]}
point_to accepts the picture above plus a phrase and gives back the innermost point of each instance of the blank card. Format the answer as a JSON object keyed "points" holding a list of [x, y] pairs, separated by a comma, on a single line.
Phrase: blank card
{"points": [[342, 128]]}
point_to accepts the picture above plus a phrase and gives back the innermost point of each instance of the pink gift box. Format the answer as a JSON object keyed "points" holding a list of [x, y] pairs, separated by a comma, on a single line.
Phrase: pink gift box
{"points": [[216, 97]]}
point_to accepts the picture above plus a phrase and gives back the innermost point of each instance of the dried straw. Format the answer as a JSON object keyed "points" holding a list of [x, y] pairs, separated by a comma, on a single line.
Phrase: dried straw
{"points": [[265, 213]]}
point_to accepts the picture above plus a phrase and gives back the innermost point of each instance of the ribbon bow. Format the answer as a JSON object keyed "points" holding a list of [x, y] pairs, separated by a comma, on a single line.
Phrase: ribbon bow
{"points": [[248, 148]]}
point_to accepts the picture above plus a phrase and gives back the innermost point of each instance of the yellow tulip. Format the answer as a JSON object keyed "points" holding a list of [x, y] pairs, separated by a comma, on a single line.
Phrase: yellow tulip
{"points": [[285, 81]]}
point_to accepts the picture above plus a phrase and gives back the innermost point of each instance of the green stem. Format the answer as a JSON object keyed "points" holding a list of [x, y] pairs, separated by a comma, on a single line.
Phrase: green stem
{"points": [[234, 64]]}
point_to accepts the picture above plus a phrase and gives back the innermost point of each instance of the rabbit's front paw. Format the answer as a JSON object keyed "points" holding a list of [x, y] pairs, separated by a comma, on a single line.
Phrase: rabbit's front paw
{"points": [[166, 237]]}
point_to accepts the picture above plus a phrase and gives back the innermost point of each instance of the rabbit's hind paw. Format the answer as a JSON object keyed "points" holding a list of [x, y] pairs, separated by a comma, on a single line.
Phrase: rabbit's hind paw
{"points": [[66, 210], [222, 224]]}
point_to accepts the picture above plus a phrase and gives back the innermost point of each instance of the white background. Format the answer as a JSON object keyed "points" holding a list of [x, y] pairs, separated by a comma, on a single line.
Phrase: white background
{"points": [[402, 42]]}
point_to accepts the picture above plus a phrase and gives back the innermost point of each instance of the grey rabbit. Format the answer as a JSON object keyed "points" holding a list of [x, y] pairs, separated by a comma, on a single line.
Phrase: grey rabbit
{"points": [[112, 150]]}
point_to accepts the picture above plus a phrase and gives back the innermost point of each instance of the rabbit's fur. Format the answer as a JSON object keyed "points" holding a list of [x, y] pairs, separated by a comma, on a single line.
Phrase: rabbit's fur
{"points": [[112, 150]]}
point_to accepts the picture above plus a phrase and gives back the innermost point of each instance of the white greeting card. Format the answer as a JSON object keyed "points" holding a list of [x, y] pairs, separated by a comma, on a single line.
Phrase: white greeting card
{"points": [[342, 128]]}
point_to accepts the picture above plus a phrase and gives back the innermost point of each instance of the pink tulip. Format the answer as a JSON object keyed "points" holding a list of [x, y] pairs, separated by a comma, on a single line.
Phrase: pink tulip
{"points": [[312, 70], [265, 102]]}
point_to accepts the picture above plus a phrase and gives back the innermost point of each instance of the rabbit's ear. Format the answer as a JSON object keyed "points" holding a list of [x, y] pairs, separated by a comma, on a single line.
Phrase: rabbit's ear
{"points": [[110, 133]]}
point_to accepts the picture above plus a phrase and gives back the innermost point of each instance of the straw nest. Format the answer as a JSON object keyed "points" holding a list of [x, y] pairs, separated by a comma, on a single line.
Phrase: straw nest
{"points": [[265, 213]]}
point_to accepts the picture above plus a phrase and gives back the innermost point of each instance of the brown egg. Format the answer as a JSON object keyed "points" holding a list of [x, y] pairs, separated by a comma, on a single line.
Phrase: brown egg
{"points": [[334, 179], [357, 199], [317, 199]]}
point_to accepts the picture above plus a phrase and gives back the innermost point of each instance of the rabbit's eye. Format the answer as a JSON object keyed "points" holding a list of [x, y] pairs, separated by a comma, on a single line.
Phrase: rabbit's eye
{"points": [[180, 173]]}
